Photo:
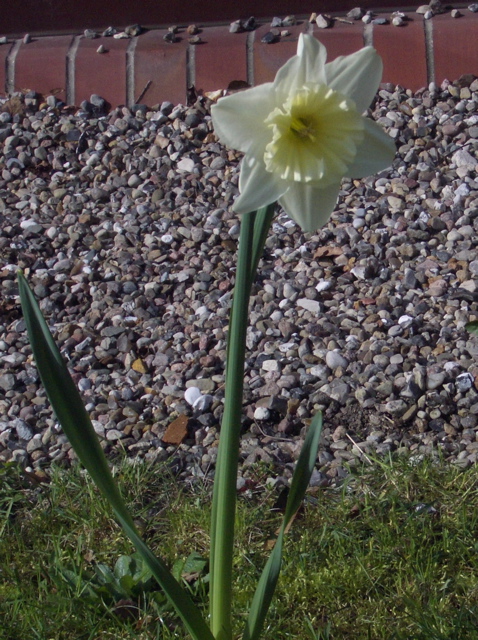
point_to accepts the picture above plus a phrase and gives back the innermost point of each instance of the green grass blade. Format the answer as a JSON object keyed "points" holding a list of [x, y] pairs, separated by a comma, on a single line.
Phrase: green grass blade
{"points": [[270, 575], [76, 424]]}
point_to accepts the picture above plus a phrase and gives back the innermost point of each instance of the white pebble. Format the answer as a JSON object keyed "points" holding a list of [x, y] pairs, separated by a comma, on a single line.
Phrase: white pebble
{"points": [[186, 165], [262, 413], [309, 305], [203, 403], [323, 285], [270, 365], [191, 395]]}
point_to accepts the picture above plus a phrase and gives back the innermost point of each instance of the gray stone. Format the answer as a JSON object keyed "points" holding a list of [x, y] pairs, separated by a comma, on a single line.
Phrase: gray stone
{"points": [[23, 429], [335, 360], [7, 381]]}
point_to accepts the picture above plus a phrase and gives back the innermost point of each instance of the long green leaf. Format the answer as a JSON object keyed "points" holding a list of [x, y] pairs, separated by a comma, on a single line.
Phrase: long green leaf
{"points": [[76, 424], [270, 575], [262, 223]]}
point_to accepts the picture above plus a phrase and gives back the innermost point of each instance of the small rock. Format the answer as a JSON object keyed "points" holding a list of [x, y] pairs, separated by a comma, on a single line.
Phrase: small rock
{"points": [[7, 381], [250, 24], [203, 403], [396, 408], [356, 14], [236, 27], [334, 360], [186, 164], [170, 37], [463, 158], [192, 394], [423, 9], [464, 382], [133, 30], [23, 429], [270, 37], [323, 21], [262, 413], [310, 305]]}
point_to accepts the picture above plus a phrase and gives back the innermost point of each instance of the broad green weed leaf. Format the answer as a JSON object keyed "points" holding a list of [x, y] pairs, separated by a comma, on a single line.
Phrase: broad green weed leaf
{"points": [[472, 327], [124, 566]]}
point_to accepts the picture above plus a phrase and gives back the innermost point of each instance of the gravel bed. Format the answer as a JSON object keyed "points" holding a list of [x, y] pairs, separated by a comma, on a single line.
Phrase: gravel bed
{"points": [[122, 224]]}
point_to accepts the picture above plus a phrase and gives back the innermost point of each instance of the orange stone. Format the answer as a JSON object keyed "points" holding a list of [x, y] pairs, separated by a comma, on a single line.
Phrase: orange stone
{"points": [[138, 366], [177, 430]]}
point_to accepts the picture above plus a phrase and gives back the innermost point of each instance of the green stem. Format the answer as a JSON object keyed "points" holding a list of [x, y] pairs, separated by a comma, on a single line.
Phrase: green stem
{"points": [[254, 229]]}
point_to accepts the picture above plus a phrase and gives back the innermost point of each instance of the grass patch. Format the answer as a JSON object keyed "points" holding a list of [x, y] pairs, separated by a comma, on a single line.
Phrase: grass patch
{"points": [[390, 555]]}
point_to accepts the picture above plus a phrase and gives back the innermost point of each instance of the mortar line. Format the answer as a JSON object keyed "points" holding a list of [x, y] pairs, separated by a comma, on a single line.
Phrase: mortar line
{"points": [[429, 50], [70, 70], [190, 67], [130, 53], [368, 35], [10, 67]]}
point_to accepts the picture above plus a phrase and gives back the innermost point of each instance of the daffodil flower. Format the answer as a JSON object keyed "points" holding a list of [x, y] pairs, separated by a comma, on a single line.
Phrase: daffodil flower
{"points": [[304, 132]]}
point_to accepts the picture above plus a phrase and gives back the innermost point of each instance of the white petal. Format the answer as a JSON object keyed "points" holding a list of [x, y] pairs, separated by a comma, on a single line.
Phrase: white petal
{"points": [[310, 207], [258, 187], [307, 66], [239, 119], [374, 153], [358, 76]]}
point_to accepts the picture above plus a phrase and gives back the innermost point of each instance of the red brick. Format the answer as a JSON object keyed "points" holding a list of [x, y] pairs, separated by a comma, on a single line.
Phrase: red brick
{"points": [[41, 66], [341, 39], [455, 45], [268, 58], [403, 53], [162, 63], [101, 73], [221, 59]]}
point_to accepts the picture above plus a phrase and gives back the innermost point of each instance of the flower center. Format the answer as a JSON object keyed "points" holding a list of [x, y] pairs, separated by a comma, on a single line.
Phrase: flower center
{"points": [[315, 134], [303, 127]]}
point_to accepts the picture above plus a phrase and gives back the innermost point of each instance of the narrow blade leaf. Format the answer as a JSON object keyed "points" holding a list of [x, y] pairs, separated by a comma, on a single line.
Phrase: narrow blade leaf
{"points": [[262, 224], [268, 580], [76, 424]]}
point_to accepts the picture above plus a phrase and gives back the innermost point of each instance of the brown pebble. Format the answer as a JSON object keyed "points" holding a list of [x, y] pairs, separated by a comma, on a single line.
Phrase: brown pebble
{"points": [[176, 431]]}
